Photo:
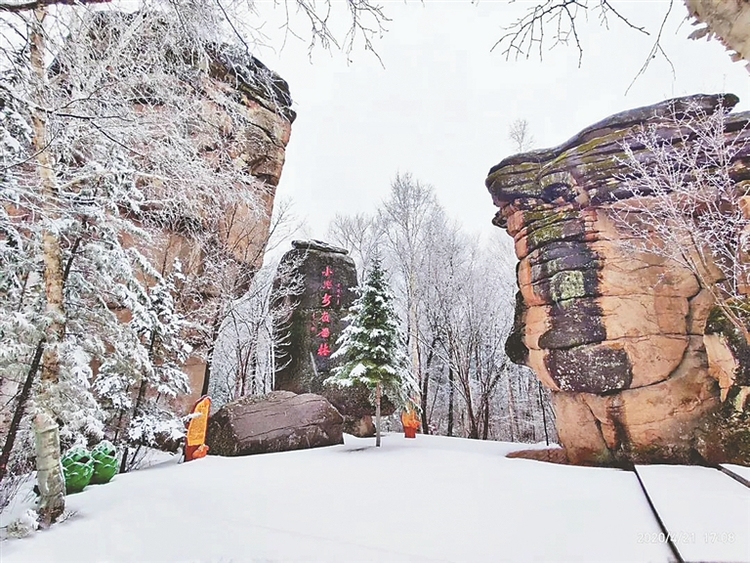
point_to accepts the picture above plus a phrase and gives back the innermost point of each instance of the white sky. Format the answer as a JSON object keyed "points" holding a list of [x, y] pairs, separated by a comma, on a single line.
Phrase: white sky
{"points": [[442, 105]]}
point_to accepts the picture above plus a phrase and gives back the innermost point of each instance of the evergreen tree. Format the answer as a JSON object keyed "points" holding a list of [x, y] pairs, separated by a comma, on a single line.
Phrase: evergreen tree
{"points": [[371, 347]]}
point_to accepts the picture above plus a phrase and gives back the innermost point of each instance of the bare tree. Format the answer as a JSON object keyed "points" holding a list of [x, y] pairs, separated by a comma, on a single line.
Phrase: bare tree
{"points": [[253, 332], [520, 134], [551, 23], [405, 216], [361, 234], [554, 22], [243, 361], [463, 303], [684, 202], [26, 5]]}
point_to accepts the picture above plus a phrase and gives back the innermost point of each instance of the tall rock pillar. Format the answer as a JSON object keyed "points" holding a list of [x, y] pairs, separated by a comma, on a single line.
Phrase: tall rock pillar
{"points": [[617, 335]]}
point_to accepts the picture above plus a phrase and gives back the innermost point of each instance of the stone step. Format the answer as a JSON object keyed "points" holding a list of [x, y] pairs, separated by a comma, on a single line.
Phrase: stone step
{"points": [[705, 513]]}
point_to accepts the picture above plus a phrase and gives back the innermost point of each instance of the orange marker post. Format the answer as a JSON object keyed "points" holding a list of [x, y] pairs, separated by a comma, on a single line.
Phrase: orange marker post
{"points": [[195, 446], [410, 421]]}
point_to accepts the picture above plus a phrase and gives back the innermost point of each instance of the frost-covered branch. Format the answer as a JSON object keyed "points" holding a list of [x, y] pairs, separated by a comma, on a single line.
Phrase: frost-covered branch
{"points": [[556, 22], [686, 196]]}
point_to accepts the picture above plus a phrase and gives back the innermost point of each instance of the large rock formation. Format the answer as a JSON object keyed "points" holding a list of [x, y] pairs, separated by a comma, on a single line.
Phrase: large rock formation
{"points": [[278, 422], [307, 337], [617, 335], [262, 99], [242, 128]]}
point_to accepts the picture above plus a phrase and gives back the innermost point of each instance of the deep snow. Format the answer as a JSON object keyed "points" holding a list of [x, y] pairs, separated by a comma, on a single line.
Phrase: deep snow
{"points": [[426, 499]]}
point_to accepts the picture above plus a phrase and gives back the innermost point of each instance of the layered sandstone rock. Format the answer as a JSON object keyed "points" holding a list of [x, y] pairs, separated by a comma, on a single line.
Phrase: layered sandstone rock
{"points": [[237, 84], [616, 334]]}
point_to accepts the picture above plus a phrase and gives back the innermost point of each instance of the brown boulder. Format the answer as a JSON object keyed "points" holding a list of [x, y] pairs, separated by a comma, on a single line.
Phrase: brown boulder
{"points": [[277, 422]]}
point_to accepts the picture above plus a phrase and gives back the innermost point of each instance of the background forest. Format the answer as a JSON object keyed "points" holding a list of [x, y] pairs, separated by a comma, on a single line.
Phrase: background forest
{"points": [[455, 296]]}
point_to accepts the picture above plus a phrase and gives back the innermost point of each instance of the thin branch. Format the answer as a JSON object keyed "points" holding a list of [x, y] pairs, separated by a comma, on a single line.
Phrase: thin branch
{"points": [[7, 6], [656, 49], [528, 32]]}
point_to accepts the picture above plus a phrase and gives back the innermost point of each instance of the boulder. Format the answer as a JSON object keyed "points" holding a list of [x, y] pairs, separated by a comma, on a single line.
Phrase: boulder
{"points": [[616, 334], [277, 422]]}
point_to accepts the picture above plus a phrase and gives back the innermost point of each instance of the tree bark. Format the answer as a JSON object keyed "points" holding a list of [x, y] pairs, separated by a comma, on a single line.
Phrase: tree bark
{"points": [[485, 417], [49, 469], [210, 355], [49, 474], [544, 414], [728, 21], [450, 400], [423, 380], [423, 403], [511, 410], [378, 392], [136, 408], [52, 255], [23, 397]]}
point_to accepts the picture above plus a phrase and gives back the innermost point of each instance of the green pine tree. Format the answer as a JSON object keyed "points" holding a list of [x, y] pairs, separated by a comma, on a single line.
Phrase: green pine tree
{"points": [[371, 349]]}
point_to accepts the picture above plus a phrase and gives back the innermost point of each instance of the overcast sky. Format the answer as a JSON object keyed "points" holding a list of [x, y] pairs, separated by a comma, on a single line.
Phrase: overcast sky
{"points": [[442, 105]]}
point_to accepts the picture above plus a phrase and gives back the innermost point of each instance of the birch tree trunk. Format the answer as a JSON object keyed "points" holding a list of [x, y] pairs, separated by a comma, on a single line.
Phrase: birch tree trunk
{"points": [[378, 393], [544, 414], [49, 469], [413, 340], [49, 472], [511, 410], [451, 390]]}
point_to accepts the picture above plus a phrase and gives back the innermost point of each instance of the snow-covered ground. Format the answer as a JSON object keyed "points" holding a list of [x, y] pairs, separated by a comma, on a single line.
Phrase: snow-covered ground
{"points": [[706, 513], [427, 499]]}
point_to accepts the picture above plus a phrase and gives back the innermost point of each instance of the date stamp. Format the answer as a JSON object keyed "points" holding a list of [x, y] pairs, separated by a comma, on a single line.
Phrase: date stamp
{"points": [[680, 537], [661, 537], [719, 537]]}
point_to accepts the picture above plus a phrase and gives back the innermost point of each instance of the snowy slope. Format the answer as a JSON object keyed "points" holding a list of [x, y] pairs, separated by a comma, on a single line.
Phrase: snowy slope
{"points": [[428, 499]]}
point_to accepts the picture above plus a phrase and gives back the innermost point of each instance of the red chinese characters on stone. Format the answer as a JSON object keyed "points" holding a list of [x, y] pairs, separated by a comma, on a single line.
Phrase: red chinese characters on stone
{"points": [[331, 290]]}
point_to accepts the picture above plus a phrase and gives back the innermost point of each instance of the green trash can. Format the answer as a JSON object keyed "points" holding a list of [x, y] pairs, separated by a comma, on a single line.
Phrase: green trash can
{"points": [[106, 465], [78, 467]]}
